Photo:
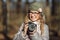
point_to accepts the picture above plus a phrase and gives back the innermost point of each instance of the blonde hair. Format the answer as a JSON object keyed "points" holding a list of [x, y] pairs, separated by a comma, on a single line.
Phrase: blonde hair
{"points": [[42, 20]]}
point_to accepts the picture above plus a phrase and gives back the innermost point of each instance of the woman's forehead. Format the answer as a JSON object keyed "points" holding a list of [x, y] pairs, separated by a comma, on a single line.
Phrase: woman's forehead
{"points": [[33, 11]]}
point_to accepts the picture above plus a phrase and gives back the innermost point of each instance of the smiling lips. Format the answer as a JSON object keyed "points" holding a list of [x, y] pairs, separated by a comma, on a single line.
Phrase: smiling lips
{"points": [[33, 17]]}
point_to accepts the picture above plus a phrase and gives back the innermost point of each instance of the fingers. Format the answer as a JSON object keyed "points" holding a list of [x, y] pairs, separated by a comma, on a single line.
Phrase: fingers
{"points": [[25, 28], [32, 33]]}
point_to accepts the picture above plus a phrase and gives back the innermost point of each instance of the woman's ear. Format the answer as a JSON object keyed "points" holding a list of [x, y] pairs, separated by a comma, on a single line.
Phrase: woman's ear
{"points": [[40, 9]]}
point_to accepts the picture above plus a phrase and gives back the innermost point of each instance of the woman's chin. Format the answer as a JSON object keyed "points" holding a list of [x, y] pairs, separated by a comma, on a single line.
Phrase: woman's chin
{"points": [[33, 20]]}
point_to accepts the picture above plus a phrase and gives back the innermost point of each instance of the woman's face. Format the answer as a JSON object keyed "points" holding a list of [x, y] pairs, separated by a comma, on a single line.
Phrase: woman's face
{"points": [[34, 15]]}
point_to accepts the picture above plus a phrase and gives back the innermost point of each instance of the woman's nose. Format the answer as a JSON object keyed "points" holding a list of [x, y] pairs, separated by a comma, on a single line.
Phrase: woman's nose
{"points": [[33, 15]]}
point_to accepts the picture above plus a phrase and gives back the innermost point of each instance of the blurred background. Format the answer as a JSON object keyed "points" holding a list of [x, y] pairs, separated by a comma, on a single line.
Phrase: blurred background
{"points": [[13, 12]]}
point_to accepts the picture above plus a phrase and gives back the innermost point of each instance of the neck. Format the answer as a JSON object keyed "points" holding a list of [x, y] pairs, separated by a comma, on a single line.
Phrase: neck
{"points": [[36, 21]]}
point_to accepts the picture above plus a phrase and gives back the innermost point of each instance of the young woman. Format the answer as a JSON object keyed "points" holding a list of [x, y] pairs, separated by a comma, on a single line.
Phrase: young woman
{"points": [[34, 27], [41, 32]]}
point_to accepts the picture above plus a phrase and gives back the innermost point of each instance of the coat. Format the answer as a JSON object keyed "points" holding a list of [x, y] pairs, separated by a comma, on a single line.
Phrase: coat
{"points": [[44, 36]]}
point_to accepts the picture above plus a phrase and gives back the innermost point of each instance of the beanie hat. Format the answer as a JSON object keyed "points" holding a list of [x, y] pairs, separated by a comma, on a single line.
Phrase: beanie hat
{"points": [[35, 6]]}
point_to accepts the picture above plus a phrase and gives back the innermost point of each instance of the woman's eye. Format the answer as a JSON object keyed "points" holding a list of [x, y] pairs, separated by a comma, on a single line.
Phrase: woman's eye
{"points": [[34, 12], [30, 12]]}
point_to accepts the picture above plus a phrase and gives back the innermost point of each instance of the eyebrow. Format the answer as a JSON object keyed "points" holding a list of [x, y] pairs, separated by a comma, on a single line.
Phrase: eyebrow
{"points": [[34, 12]]}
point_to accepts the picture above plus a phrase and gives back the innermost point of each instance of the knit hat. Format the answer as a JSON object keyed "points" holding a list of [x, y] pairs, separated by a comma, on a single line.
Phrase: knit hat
{"points": [[35, 6]]}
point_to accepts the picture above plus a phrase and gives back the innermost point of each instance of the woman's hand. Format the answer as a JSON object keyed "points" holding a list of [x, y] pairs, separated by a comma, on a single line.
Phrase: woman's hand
{"points": [[32, 33], [25, 29]]}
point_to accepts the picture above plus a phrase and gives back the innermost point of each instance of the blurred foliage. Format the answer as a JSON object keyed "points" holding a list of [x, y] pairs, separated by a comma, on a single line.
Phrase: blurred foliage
{"points": [[16, 11]]}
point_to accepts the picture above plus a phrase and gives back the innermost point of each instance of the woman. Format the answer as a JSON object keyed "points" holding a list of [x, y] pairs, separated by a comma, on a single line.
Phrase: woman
{"points": [[40, 33]]}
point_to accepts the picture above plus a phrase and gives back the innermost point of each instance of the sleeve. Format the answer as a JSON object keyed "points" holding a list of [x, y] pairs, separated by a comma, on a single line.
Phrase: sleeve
{"points": [[19, 35], [45, 35]]}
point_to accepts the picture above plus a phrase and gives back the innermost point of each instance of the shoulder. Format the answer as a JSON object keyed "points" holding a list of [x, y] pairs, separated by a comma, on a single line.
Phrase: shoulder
{"points": [[22, 25], [45, 26]]}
